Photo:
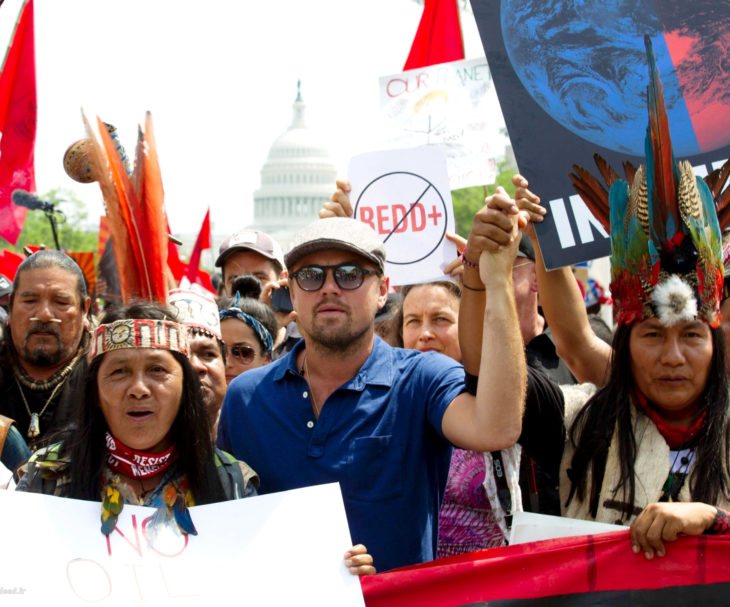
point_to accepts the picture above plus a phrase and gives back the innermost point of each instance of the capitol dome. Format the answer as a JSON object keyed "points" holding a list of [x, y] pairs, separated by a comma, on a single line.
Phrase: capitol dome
{"points": [[297, 177]]}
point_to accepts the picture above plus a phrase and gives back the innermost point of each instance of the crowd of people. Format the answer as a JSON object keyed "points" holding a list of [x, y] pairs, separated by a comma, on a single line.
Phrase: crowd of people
{"points": [[440, 408]]}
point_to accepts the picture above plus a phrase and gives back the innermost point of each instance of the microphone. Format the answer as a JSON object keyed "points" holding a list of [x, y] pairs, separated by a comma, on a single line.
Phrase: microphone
{"points": [[30, 201]]}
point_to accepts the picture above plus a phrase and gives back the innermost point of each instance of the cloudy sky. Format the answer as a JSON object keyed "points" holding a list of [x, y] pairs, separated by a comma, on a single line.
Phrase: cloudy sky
{"points": [[219, 78]]}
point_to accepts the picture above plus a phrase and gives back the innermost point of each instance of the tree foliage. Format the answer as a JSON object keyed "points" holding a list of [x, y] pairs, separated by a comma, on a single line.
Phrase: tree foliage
{"points": [[76, 233], [468, 201]]}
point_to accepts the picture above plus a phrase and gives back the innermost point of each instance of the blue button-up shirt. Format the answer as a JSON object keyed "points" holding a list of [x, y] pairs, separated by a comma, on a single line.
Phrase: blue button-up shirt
{"points": [[379, 435]]}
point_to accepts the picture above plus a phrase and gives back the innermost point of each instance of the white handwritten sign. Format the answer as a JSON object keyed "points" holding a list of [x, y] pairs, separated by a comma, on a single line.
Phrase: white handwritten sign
{"points": [[404, 196], [450, 104], [280, 549]]}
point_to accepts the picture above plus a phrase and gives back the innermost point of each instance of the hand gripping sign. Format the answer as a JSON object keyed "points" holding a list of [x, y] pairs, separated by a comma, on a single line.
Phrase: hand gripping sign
{"points": [[404, 196]]}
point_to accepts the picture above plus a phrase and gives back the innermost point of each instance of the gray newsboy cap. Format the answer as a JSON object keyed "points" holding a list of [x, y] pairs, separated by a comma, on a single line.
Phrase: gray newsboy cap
{"points": [[342, 233]]}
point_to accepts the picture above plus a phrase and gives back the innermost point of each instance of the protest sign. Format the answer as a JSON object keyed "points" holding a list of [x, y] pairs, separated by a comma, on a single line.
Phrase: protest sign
{"points": [[280, 549], [571, 80], [534, 527], [450, 104], [404, 196], [577, 571]]}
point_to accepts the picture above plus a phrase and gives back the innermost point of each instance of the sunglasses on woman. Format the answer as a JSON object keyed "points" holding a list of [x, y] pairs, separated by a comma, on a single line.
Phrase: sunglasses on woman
{"points": [[243, 354], [347, 276]]}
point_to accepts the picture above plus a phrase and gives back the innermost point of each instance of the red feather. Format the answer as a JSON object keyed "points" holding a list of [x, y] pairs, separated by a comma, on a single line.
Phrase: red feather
{"points": [[664, 191], [607, 172], [593, 194], [116, 223], [131, 215], [629, 171], [152, 196]]}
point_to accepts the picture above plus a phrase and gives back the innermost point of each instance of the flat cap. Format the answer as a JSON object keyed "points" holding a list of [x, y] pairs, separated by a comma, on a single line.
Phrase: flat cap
{"points": [[340, 233]]}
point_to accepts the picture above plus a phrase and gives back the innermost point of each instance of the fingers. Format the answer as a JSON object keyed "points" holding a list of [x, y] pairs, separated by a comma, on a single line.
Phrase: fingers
{"points": [[459, 241], [527, 200], [652, 528], [358, 561], [502, 201], [335, 209], [266, 290], [344, 185], [664, 522], [339, 203], [454, 268]]}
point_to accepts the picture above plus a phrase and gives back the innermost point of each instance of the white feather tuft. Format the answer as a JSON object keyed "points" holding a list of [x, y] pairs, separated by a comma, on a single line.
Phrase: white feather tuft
{"points": [[674, 301]]}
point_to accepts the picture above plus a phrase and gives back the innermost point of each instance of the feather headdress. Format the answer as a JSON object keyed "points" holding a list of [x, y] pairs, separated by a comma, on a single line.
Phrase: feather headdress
{"points": [[134, 206], [666, 243]]}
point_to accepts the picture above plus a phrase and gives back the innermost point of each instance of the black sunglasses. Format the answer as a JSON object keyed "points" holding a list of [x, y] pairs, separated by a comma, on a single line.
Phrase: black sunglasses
{"points": [[243, 354], [347, 276]]}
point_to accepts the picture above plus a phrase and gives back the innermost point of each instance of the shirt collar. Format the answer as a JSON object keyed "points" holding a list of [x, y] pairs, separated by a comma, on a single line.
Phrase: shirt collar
{"points": [[377, 370]]}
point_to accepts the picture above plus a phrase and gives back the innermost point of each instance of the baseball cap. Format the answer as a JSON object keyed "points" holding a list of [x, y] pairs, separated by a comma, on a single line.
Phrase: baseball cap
{"points": [[251, 240], [341, 233]]}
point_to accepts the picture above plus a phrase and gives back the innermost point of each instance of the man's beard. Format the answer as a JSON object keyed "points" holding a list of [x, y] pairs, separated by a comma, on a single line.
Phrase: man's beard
{"points": [[341, 341], [40, 356]]}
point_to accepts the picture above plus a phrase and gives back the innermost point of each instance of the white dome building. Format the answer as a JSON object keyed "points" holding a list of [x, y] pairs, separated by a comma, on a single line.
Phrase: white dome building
{"points": [[298, 176]]}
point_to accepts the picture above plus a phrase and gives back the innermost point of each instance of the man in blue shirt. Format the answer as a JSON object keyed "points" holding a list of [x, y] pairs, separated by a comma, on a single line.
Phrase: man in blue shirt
{"points": [[345, 407]]}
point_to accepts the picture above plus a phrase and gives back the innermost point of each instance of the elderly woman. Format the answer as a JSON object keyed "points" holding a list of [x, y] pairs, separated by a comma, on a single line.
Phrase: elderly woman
{"points": [[248, 327], [142, 431]]}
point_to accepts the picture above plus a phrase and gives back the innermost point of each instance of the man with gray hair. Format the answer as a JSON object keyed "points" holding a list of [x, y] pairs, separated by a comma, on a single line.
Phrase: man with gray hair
{"points": [[44, 342], [344, 406]]}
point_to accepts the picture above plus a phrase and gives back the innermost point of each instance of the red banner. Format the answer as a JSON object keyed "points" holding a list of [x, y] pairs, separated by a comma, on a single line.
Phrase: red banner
{"points": [[579, 570], [17, 124]]}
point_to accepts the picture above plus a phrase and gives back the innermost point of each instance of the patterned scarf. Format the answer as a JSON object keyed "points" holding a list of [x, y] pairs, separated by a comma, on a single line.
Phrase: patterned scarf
{"points": [[137, 464]]}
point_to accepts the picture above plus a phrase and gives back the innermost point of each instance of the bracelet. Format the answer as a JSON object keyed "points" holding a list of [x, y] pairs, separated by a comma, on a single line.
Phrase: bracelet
{"points": [[721, 524], [468, 288], [466, 262]]}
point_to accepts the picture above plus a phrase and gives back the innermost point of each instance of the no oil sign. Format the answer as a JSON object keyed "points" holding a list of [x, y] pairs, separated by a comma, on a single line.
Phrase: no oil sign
{"points": [[404, 196]]}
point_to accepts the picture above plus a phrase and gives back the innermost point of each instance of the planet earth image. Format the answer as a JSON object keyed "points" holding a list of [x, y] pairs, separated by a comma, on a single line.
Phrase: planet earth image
{"points": [[584, 62]]}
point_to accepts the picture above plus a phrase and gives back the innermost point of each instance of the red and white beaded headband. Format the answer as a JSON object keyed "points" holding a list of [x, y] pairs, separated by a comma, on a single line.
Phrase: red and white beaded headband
{"points": [[140, 333]]}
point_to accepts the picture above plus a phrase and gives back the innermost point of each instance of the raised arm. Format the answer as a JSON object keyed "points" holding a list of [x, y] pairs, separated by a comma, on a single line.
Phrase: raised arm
{"points": [[586, 355], [491, 420], [491, 229]]}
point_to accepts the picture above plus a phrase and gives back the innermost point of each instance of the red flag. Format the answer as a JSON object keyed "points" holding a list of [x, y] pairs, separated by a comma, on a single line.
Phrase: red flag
{"points": [[176, 266], [203, 242], [586, 569], [438, 38], [17, 123], [9, 262]]}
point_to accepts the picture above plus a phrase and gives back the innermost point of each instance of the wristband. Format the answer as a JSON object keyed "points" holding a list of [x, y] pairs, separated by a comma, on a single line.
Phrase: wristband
{"points": [[721, 524], [466, 262], [468, 288]]}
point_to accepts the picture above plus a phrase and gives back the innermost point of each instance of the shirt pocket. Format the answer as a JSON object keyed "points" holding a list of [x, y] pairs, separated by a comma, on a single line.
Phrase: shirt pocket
{"points": [[374, 469]]}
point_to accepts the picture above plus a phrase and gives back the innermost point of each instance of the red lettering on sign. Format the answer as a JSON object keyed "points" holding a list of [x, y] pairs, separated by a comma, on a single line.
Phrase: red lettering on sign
{"points": [[146, 522], [418, 217], [383, 217], [366, 216], [399, 212], [435, 215], [136, 547]]}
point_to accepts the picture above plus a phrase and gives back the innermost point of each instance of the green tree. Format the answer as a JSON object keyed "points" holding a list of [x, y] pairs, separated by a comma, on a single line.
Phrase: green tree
{"points": [[468, 201], [76, 233]]}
